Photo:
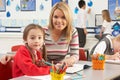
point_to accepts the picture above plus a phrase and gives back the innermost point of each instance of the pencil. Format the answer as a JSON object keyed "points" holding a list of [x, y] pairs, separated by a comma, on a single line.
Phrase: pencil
{"points": [[52, 66]]}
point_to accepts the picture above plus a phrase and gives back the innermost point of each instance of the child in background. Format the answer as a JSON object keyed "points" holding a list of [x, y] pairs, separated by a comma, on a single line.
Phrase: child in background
{"points": [[28, 57], [106, 26], [82, 22], [110, 46]]}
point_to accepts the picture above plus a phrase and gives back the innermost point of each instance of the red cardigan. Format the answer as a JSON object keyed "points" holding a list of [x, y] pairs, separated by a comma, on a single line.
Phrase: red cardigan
{"points": [[23, 64]]}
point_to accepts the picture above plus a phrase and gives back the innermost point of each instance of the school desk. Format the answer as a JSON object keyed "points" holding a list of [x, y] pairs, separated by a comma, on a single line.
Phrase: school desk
{"points": [[111, 72]]}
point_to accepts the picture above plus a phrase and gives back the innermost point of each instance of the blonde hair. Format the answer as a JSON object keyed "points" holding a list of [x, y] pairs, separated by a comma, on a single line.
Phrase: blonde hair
{"points": [[106, 15], [68, 16]]}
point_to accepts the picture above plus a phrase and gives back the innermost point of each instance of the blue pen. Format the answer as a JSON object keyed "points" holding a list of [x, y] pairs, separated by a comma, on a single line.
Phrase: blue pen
{"points": [[48, 63]]}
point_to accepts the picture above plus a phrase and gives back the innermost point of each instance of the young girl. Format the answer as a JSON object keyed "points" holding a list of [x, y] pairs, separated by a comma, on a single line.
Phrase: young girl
{"points": [[106, 26], [28, 57]]}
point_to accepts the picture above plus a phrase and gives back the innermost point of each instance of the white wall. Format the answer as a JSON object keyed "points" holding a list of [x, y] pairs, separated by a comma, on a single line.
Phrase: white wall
{"points": [[20, 18]]}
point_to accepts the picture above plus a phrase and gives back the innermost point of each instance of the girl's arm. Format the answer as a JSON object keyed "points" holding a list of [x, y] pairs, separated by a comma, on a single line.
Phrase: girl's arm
{"points": [[102, 30], [116, 56], [6, 58], [24, 63]]}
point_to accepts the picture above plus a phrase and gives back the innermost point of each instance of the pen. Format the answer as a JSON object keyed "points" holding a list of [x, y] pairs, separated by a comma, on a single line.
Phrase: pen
{"points": [[48, 63]]}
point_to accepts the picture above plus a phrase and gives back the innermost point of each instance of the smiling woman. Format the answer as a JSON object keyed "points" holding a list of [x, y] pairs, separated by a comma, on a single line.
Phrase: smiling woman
{"points": [[61, 37]]}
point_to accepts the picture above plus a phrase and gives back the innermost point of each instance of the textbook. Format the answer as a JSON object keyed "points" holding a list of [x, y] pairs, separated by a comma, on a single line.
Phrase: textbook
{"points": [[75, 68]]}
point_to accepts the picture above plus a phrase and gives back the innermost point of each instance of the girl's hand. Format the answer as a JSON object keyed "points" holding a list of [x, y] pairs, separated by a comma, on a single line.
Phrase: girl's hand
{"points": [[6, 58], [116, 56], [100, 34]]}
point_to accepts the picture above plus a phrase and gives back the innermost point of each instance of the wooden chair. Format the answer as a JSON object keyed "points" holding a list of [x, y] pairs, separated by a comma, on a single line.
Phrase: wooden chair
{"points": [[15, 48], [6, 71], [83, 54]]}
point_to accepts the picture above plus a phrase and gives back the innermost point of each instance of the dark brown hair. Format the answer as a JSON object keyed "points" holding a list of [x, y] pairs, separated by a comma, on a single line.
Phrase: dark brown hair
{"points": [[81, 3]]}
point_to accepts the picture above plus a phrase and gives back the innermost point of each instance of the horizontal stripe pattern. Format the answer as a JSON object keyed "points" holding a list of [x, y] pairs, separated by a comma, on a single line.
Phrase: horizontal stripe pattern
{"points": [[61, 48]]}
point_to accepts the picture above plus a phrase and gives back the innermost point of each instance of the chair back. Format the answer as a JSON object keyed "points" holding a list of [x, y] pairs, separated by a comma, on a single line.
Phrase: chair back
{"points": [[15, 48], [83, 54], [6, 71]]}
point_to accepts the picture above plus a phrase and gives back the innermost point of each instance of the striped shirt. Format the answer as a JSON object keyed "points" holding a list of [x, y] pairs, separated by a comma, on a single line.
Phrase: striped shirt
{"points": [[57, 51]]}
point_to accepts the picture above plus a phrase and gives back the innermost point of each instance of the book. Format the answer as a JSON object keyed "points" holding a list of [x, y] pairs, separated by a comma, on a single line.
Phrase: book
{"points": [[75, 68]]}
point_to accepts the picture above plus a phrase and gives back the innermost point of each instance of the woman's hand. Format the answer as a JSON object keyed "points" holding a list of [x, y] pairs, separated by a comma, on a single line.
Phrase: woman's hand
{"points": [[6, 58], [69, 61]]}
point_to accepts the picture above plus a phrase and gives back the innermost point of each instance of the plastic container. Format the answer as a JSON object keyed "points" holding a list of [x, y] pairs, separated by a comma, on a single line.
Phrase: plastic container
{"points": [[98, 64], [56, 76]]}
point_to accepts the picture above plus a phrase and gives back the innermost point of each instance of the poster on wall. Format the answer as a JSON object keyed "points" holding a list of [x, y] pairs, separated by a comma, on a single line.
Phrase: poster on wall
{"points": [[2, 5], [55, 1], [28, 5], [114, 9]]}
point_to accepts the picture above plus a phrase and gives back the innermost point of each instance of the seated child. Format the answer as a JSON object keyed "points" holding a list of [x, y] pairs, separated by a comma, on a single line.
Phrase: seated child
{"points": [[28, 58]]}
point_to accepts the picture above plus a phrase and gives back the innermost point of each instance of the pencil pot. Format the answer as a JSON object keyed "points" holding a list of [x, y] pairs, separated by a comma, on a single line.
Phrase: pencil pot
{"points": [[56, 76], [98, 64]]}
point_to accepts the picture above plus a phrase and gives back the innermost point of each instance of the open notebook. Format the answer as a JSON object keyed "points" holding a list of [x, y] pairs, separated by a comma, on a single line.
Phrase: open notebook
{"points": [[75, 68], [113, 61]]}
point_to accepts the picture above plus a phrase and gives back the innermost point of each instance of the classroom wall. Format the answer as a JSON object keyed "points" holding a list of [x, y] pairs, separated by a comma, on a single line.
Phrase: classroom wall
{"points": [[22, 18]]}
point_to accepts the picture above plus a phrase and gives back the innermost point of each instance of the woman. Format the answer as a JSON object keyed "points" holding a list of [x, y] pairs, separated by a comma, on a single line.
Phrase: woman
{"points": [[61, 37]]}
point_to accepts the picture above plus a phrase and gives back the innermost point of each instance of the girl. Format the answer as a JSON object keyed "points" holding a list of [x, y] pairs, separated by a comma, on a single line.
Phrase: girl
{"points": [[28, 57], [106, 26]]}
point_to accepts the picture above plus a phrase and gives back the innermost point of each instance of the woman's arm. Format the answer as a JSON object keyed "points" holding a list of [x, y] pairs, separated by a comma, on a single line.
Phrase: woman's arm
{"points": [[74, 49]]}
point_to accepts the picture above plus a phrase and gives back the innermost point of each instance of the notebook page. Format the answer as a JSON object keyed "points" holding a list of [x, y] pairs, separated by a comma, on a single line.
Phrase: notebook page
{"points": [[75, 68], [113, 61]]}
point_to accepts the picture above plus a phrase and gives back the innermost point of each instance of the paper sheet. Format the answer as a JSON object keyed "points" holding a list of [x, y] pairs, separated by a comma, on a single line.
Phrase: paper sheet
{"points": [[46, 77]]}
